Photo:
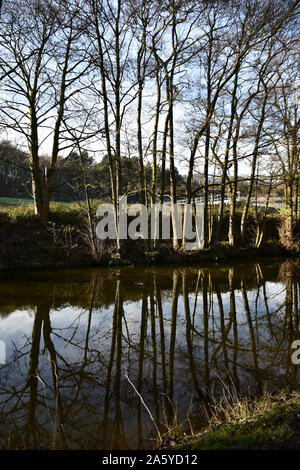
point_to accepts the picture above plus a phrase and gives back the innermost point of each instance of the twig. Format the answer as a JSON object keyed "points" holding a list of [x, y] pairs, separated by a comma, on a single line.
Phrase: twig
{"points": [[144, 404]]}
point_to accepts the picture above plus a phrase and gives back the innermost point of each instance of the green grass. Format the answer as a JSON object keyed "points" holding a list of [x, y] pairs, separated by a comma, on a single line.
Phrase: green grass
{"points": [[15, 201], [20, 201], [269, 423]]}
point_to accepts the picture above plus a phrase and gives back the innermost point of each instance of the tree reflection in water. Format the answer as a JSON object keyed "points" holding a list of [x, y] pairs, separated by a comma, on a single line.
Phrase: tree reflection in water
{"points": [[183, 336]]}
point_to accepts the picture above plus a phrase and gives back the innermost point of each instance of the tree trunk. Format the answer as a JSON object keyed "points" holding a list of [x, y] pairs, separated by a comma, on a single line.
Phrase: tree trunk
{"points": [[253, 168]]}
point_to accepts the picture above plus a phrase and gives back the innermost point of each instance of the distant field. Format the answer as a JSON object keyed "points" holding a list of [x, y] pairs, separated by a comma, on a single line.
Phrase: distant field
{"points": [[14, 200]]}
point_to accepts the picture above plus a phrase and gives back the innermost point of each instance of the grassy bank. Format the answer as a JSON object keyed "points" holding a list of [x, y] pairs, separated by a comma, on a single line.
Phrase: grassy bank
{"points": [[271, 422], [64, 241]]}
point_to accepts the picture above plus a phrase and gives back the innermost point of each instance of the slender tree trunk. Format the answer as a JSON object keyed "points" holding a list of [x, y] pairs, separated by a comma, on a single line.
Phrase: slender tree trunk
{"points": [[155, 135], [88, 203], [172, 164], [233, 194], [140, 80], [111, 156], [118, 120], [206, 193], [253, 168], [163, 172], [36, 178], [262, 223], [226, 160]]}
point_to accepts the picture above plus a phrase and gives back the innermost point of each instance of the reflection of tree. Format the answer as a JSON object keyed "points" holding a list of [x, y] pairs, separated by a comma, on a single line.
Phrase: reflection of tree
{"points": [[206, 331], [162, 335], [224, 333], [119, 439], [42, 321], [117, 434], [110, 364], [174, 305], [252, 338], [189, 339], [33, 373], [184, 332], [143, 334], [54, 369], [153, 314], [233, 318], [292, 330]]}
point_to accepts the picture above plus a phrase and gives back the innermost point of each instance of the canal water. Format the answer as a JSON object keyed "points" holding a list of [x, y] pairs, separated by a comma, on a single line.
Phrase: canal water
{"points": [[88, 355]]}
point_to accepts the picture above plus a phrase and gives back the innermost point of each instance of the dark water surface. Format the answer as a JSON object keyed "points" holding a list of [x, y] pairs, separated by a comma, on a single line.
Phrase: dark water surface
{"points": [[181, 335]]}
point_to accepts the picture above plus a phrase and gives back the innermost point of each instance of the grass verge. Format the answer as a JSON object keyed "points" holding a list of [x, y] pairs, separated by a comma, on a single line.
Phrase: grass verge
{"points": [[268, 423]]}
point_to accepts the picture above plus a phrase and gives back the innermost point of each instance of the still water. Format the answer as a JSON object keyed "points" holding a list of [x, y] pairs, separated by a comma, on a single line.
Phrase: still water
{"points": [[85, 347]]}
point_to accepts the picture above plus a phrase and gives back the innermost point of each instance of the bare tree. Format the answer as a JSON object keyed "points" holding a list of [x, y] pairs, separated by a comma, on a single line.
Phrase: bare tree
{"points": [[40, 44]]}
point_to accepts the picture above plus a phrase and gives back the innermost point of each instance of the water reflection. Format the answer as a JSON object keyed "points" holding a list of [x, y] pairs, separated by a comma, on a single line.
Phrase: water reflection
{"points": [[181, 335]]}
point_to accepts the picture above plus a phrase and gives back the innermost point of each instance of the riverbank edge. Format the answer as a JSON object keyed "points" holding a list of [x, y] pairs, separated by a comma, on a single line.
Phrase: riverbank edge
{"points": [[268, 423], [219, 255]]}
